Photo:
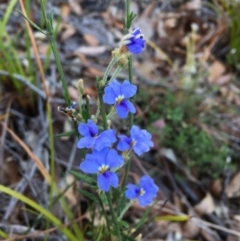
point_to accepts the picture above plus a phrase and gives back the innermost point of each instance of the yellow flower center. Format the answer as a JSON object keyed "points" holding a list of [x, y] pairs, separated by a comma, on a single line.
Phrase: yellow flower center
{"points": [[141, 192], [119, 99], [103, 168], [133, 142]]}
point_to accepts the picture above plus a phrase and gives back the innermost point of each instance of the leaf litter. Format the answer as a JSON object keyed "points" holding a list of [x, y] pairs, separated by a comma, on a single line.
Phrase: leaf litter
{"points": [[87, 34]]}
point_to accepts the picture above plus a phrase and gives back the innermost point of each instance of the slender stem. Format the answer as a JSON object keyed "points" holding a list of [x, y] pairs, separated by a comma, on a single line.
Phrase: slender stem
{"points": [[116, 72], [127, 169], [50, 30], [103, 112], [51, 144], [109, 67], [127, 17], [60, 70], [130, 76], [113, 216], [125, 209]]}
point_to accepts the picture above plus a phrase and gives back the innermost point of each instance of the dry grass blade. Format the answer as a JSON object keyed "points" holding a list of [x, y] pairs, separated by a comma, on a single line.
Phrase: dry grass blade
{"points": [[37, 161], [42, 233]]}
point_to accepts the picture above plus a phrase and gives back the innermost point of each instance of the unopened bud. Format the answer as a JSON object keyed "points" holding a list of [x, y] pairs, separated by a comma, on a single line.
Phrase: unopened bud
{"points": [[88, 98], [109, 122], [80, 86], [78, 117]]}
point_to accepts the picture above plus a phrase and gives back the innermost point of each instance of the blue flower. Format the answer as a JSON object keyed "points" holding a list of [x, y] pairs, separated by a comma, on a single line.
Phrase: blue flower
{"points": [[145, 191], [117, 94], [134, 41], [139, 140], [91, 138], [101, 163]]}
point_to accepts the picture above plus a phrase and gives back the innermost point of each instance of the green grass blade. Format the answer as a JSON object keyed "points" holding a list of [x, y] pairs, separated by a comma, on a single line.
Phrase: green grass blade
{"points": [[40, 209]]}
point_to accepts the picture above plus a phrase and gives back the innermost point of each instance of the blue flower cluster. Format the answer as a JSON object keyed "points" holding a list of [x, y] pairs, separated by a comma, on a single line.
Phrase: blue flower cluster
{"points": [[103, 159]]}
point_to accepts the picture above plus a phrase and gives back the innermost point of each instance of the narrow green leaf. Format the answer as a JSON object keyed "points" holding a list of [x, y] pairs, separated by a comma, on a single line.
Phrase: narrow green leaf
{"points": [[32, 23], [85, 178], [124, 224], [40, 209], [69, 133], [88, 195]]}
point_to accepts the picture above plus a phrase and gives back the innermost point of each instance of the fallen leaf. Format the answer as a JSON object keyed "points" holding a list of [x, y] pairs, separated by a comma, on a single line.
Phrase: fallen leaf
{"points": [[90, 51], [91, 40], [75, 7], [206, 206], [233, 189], [215, 70]]}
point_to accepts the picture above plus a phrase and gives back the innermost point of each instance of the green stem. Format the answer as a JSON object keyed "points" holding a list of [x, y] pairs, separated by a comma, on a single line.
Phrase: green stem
{"points": [[113, 216], [50, 30], [51, 144], [130, 76], [116, 72], [125, 210], [127, 17], [103, 111], [60, 70], [109, 67]]}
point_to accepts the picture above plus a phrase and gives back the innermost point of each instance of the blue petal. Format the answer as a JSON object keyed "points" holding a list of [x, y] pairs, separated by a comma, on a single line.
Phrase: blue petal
{"points": [[109, 96], [122, 111], [93, 128], [103, 182], [110, 134], [83, 129], [130, 106], [113, 178], [140, 147], [128, 90], [89, 167], [144, 200], [102, 142], [135, 48], [124, 144], [114, 160], [101, 155], [116, 87], [132, 192], [86, 142], [134, 131], [149, 186]]}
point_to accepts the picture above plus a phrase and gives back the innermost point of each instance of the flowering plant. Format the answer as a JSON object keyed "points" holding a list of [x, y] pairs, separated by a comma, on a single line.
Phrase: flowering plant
{"points": [[107, 153]]}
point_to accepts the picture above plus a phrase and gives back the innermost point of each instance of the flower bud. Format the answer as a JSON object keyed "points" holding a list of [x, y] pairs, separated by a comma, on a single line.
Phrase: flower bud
{"points": [[80, 86]]}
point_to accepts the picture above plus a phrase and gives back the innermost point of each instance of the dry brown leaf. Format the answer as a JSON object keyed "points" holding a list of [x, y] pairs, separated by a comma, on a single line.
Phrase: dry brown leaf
{"points": [[91, 40], [233, 189], [65, 11], [161, 30], [192, 5], [224, 79], [42, 48], [190, 229], [67, 126], [68, 32], [215, 70], [75, 7], [216, 188], [73, 92], [90, 51], [174, 228], [206, 206]]}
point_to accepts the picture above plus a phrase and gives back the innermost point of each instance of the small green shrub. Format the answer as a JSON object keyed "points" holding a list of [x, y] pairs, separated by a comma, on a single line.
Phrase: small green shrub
{"points": [[181, 113]]}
